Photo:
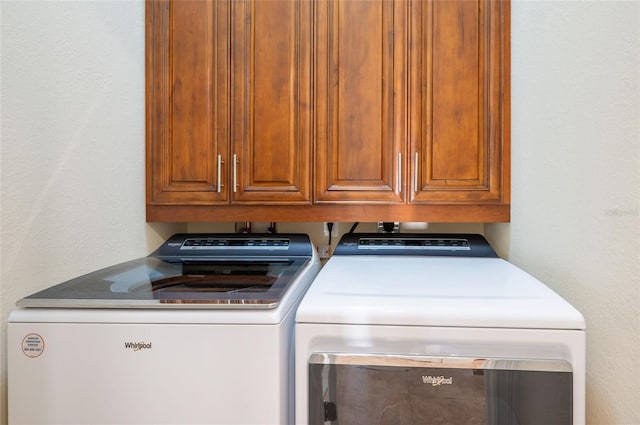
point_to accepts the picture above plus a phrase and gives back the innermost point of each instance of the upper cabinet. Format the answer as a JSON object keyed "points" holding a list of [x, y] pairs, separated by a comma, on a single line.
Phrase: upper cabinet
{"points": [[187, 102], [458, 102], [228, 102], [328, 110], [360, 90], [271, 101]]}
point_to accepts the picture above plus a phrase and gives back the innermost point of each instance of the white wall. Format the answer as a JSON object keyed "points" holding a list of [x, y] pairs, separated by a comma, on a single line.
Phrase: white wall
{"points": [[575, 220], [72, 153], [72, 163]]}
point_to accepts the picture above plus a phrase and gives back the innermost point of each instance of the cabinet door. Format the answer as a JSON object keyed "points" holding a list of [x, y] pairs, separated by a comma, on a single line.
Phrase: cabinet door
{"points": [[271, 112], [459, 142], [187, 102], [360, 113]]}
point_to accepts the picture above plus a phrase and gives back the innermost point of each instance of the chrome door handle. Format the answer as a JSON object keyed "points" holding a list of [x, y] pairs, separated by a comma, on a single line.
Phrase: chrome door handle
{"points": [[415, 174], [220, 173], [235, 172], [437, 362], [399, 175]]}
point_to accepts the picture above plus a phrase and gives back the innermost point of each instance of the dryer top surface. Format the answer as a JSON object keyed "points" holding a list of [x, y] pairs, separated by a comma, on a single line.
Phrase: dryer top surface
{"points": [[433, 291]]}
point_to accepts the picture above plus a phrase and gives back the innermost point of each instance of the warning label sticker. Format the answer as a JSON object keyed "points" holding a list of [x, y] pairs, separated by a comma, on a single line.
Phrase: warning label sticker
{"points": [[32, 345]]}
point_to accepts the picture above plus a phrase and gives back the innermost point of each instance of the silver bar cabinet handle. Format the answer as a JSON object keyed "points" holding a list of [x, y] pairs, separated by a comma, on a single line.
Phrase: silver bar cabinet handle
{"points": [[219, 173], [415, 174], [235, 172], [399, 176]]}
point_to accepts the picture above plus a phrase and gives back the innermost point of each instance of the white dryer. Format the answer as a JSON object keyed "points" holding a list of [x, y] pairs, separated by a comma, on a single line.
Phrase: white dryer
{"points": [[435, 329], [199, 332]]}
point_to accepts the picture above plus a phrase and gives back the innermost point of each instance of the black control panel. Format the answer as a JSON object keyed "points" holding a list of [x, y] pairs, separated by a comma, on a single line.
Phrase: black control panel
{"points": [[214, 243], [232, 244], [422, 244]]}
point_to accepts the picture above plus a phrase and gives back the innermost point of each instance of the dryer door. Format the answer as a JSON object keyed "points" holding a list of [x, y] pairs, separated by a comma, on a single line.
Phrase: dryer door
{"points": [[389, 389]]}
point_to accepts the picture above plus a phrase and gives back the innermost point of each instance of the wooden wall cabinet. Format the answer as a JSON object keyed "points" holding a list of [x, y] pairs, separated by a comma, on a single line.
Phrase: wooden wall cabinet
{"points": [[271, 101], [187, 103], [458, 102], [328, 110], [360, 101], [228, 103]]}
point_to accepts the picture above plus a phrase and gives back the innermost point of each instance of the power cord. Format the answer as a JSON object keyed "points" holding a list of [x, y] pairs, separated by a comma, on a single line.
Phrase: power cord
{"points": [[330, 229]]}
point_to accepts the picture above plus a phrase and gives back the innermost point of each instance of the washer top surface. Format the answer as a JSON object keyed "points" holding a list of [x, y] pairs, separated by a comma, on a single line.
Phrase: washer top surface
{"points": [[453, 291], [196, 271]]}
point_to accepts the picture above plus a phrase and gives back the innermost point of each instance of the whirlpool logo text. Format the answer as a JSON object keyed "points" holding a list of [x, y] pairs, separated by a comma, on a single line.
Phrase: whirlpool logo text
{"points": [[137, 346], [437, 380]]}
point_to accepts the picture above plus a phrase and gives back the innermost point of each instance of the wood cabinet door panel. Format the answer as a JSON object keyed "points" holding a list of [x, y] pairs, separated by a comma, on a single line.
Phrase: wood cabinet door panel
{"points": [[328, 110], [271, 81], [455, 101], [359, 91], [187, 89]]}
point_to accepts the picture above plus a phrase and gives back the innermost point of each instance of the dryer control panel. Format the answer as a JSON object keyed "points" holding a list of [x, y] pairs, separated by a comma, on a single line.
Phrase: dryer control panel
{"points": [[422, 244]]}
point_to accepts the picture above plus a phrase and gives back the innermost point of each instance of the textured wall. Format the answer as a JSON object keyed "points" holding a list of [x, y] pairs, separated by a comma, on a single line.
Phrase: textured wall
{"points": [[72, 145], [72, 163], [575, 182]]}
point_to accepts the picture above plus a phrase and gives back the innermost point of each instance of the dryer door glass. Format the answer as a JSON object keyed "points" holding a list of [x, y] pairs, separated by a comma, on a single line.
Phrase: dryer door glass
{"points": [[360, 389]]}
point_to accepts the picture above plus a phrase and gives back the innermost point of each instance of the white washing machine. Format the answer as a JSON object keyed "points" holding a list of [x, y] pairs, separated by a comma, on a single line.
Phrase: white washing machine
{"points": [[435, 329], [199, 332]]}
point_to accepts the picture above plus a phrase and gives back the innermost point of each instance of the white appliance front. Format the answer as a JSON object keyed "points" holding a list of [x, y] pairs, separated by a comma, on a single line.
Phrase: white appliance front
{"points": [[386, 310], [199, 332], [95, 372], [417, 344]]}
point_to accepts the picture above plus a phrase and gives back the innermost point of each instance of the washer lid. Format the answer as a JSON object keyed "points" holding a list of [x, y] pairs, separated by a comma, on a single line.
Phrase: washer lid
{"points": [[153, 283], [433, 291], [193, 271]]}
